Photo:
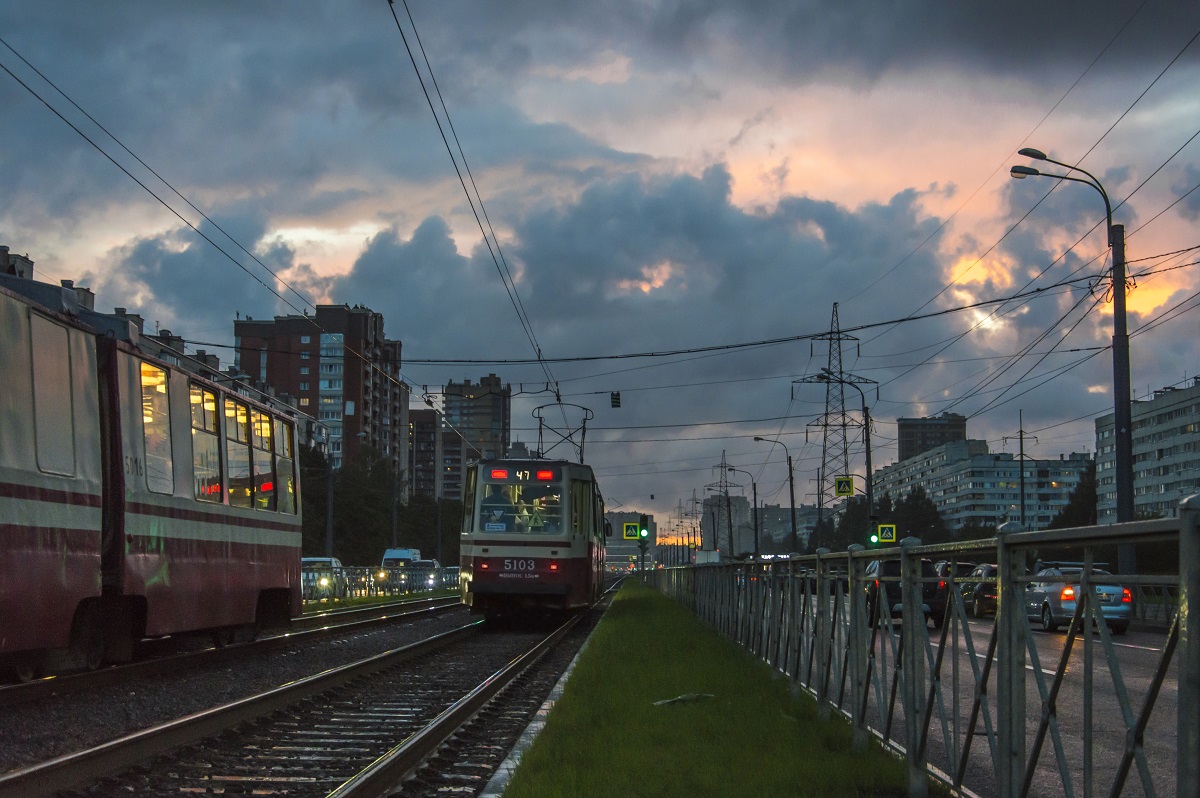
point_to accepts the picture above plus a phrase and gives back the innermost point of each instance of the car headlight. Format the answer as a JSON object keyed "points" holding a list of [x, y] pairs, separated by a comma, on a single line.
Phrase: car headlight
{"points": [[324, 582], [382, 575]]}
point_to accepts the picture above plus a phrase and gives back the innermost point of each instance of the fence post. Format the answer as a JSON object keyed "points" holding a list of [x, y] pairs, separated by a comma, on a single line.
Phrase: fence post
{"points": [[1187, 779], [1010, 667], [821, 630], [913, 630], [858, 637]]}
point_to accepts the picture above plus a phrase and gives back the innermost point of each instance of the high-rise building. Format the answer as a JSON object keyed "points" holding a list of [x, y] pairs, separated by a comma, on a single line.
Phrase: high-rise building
{"points": [[1166, 454], [437, 456], [917, 435], [482, 414], [341, 369]]}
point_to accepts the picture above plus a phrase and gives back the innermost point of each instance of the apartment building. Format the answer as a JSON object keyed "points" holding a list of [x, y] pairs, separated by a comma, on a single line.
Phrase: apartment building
{"points": [[437, 456], [341, 368], [970, 484], [1166, 454], [482, 413], [917, 435]]}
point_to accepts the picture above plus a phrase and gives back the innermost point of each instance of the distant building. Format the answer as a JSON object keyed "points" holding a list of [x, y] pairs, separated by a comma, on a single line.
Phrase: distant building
{"points": [[1166, 454], [917, 435], [482, 414], [341, 369], [436, 456], [969, 484], [775, 527]]}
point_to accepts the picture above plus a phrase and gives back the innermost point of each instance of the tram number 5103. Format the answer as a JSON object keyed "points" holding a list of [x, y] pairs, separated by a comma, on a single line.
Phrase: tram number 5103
{"points": [[519, 565]]}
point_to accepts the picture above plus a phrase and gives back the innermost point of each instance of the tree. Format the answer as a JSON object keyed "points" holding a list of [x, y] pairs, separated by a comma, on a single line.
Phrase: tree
{"points": [[852, 526], [974, 530], [1081, 504], [917, 515], [362, 491]]}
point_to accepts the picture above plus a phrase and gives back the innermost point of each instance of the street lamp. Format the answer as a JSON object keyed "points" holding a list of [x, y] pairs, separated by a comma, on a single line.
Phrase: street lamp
{"points": [[828, 375], [791, 488], [1122, 414], [754, 489]]}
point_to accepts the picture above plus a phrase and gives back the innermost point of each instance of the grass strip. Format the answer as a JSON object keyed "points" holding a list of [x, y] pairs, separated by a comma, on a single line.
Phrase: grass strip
{"points": [[752, 737]]}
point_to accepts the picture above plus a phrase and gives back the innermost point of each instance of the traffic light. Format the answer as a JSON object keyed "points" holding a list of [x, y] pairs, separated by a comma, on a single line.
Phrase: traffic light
{"points": [[644, 533], [874, 538]]}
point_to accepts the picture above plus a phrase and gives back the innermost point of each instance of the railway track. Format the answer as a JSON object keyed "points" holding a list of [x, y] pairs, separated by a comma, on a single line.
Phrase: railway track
{"points": [[311, 628], [352, 731]]}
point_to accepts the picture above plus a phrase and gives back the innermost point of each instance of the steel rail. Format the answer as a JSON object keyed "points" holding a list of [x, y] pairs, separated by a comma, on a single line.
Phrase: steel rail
{"points": [[158, 666], [75, 769], [383, 775]]}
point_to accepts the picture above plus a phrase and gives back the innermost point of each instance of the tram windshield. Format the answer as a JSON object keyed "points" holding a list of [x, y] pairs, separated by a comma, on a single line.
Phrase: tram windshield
{"points": [[521, 501]]}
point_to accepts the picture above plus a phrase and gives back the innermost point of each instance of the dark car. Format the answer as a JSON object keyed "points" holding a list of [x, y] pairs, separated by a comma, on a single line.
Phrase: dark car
{"points": [[980, 590], [887, 574], [948, 571]]}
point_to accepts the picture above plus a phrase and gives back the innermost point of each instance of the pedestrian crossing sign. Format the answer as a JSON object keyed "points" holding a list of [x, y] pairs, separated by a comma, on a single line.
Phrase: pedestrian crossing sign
{"points": [[844, 486], [887, 533], [629, 530]]}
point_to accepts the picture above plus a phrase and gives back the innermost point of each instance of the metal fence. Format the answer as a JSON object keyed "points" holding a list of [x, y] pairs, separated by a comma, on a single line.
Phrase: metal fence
{"points": [[988, 707]]}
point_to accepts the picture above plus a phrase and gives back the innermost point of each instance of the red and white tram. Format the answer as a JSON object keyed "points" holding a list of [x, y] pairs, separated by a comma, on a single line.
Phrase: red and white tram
{"points": [[137, 499], [533, 537]]}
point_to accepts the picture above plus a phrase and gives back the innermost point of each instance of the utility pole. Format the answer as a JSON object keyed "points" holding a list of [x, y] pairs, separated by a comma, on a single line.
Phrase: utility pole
{"points": [[1021, 458]]}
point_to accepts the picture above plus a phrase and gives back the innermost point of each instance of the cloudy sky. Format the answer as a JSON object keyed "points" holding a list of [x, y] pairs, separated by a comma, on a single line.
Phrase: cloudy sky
{"points": [[700, 181]]}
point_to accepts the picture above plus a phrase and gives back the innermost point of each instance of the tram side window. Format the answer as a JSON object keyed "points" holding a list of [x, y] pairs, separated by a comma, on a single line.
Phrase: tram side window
{"points": [[264, 467], [237, 454], [156, 428], [53, 414], [206, 445], [285, 467]]}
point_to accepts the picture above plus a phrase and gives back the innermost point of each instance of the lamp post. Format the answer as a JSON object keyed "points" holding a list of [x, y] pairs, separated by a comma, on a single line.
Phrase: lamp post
{"points": [[828, 376], [754, 489], [791, 488], [1122, 414]]}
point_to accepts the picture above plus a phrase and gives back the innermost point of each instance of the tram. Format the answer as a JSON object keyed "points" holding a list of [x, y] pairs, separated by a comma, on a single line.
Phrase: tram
{"points": [[533, 537], [137, 499]]}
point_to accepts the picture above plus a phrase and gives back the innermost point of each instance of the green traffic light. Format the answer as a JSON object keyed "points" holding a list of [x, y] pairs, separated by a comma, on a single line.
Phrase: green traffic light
{"points": [[874, 538], [644, 533]]}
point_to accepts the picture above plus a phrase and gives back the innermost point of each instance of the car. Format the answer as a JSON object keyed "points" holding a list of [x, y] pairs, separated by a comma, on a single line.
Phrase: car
{"points": [[1052, 597], [323, 578], [948, 571], [424, 575], [887, 573], [980, 591]]}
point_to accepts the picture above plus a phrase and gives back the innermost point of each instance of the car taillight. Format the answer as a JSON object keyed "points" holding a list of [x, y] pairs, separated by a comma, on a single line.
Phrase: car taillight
{"points": [[1126, 596], [483, 566], [1068, 593], [553, 566], [942, 585]]}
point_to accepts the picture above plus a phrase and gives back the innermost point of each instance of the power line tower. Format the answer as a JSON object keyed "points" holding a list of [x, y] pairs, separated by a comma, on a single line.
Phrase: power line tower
{"points": [[835, 447], [721, 486]]}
